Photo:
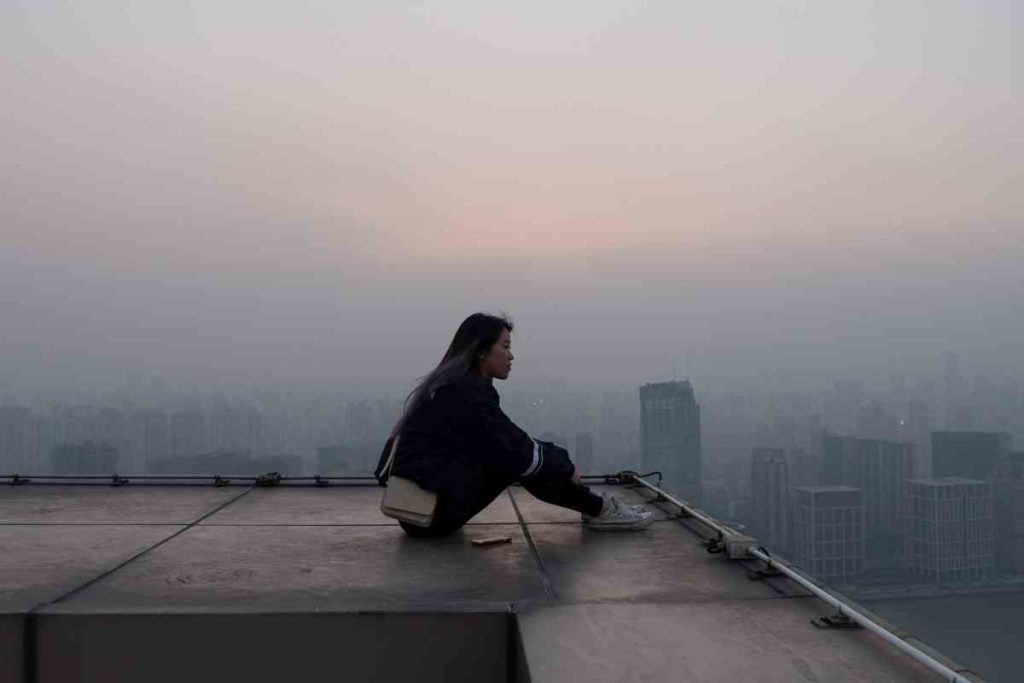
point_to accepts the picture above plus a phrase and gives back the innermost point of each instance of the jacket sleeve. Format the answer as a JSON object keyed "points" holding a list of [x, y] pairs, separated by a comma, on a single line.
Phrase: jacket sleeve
{"points": [[505, 447], [379, 472]]}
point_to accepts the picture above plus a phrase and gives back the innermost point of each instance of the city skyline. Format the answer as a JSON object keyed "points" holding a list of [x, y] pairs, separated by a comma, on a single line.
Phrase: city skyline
{"points": [[900, 411], [758, 266]]}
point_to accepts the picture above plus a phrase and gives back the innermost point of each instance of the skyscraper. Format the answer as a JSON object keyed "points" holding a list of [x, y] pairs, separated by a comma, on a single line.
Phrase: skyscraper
{"points": [[828, 531], [878, 468], [188, 432], [769, 496], [670, 436], [84, 458], [1008, 510], [804, 467], [917, 430], [1008, 502], [155, 436], [235, 428], [956, 394], [583, 453], [949, 528], [14, 438], [972, 455]]}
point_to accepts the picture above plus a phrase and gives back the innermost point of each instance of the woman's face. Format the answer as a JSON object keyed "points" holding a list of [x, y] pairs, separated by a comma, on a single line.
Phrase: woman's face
{"points": [[497, 362]]}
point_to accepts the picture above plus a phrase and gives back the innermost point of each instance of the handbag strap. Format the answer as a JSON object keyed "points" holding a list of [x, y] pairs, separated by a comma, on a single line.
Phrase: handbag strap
{"points": [[391, 457]]}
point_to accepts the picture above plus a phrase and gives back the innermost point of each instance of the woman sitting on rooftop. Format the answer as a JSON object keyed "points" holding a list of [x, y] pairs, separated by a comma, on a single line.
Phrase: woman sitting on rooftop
{"points": [[457, 442]]}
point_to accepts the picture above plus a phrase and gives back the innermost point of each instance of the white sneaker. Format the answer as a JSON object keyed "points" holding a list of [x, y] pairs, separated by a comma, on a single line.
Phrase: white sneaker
{"points": [[639, 507], [617, 516]]}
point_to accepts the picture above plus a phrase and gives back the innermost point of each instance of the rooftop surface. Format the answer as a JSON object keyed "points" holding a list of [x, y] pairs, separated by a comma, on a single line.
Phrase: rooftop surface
{"points": [[168, 583]]}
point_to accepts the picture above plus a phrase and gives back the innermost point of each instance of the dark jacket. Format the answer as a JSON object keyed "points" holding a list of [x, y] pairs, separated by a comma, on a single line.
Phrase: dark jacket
{"points": [[451, 438]]}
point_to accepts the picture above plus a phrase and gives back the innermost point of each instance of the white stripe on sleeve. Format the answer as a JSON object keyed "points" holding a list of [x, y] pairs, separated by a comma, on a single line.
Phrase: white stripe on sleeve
{"points": [[538, 459]]}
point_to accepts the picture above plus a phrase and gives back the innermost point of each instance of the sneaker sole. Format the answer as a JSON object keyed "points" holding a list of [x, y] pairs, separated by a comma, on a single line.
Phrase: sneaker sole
{"points": [[638, 508], [630, 526]]}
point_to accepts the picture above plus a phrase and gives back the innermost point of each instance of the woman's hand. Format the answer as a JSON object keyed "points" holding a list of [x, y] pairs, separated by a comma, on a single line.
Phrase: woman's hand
{"points": [[576, 475]]}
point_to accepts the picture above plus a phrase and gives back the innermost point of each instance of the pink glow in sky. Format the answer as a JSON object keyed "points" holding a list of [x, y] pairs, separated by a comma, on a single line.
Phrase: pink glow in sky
{"points": [[768, 171]]}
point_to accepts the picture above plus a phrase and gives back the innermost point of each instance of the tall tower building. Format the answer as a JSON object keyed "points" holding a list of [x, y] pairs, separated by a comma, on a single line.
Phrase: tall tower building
{"points": [[950, 528], [14, 439], [917, 430], [1008, 509], [187, 432], [156, 436], [828, 531], [804, 466], [670, 436], [956, 393], [973, 455], [769, 496], [879, 468], [84, 458], [583, 453]]}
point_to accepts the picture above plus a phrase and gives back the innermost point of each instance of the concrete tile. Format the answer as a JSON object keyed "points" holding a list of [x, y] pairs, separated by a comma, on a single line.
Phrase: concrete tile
{"points": [[727, 640], [40, 563], [665, 561], [636, 605], [93, 504], [330, 505], [319, 567]]}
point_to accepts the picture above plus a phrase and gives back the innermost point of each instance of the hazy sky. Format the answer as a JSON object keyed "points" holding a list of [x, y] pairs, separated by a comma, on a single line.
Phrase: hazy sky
{"points": [[321, 191]]}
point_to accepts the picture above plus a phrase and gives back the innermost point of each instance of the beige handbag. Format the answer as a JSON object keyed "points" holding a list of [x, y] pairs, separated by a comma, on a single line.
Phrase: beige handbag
{"points": [[406, 500]]}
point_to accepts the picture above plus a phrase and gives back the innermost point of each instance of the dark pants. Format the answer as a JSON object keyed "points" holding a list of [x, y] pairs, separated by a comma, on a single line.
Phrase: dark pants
{"points": [[450, 515]]}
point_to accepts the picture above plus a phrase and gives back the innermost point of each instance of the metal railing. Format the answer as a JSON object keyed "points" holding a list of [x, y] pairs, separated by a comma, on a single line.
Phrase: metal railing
{"points": [[265, 478], [116, 479], [741, 546]]}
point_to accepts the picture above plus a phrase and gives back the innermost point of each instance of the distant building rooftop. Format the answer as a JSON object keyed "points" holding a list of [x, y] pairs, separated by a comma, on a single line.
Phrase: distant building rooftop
{"points": [[946, 481], [267, 583], [827, 489]]}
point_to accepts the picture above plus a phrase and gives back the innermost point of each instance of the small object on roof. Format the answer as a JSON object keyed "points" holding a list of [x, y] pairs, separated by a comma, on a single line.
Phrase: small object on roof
{"points": [[491, 540]]}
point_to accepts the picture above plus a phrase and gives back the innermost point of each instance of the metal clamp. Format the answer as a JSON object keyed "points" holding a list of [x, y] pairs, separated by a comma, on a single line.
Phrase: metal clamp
{"points": [[269, 479], [714, 546], [837, 620], [769, 571]]}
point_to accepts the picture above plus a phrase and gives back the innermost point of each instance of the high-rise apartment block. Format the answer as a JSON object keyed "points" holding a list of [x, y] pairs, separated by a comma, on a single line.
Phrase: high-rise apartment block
{"points": [[14, 439], [828, 531], [972, 455], [583, 453], [670, 436], [769, 496], [949, 528], [84, 458], [878, 468]]}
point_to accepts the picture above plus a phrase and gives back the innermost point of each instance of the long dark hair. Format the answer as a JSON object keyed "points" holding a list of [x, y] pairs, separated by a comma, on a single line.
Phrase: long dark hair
{"points": [[477, 333]]}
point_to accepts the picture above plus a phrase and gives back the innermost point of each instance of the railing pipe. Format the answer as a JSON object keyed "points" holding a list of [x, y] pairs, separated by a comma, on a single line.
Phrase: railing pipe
{"points": [[805, 582]]}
